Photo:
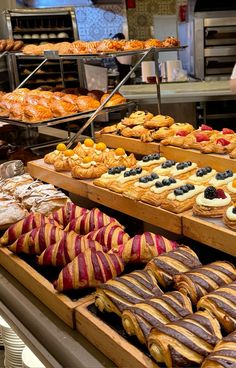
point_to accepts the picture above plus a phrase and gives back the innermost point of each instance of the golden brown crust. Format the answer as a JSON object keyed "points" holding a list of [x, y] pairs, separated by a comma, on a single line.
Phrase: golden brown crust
{"points": [[159, 121], [153, 198], [174, 140], [205, 211], [152, 42], [178, 206], [128, 161], [34, 114], [229, 223], [116, 99], [92, 172], [162, 133], [51, 157], [133, 45], [62, 164], [86, 103], [109, 129], [135, 132]]}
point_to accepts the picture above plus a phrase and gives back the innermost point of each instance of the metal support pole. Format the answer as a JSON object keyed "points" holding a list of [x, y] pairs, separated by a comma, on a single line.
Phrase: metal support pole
{"points": [[31, 74], [156, 58], [3, 54], [62, 71]]}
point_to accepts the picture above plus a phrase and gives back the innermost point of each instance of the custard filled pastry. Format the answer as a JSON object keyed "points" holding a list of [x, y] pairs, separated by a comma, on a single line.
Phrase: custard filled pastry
{"points": [[231, 189], [159, 121], [203, 280], [185, 343], [140, 318], [182, 198], [88, 169], [139, 188], [128, 177], [222, 178], [229, 217], [120, 158], [109, 177], [150, 161], [85, 149], [142, 248], [183, 170], [67, 213], [51, 157], [182, 127], [101, 152], [167, 265], [66, 161], [202, 176], [211, 203], [137, 118], [165, 168], [223, 355], [121, 292], [221, 303]]}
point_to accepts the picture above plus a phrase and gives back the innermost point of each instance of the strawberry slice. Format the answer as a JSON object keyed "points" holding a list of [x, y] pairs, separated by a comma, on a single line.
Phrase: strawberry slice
{"points": [[223, 142], [227, 131], [205, 127], [220, 194], [201, 137], [182, 133]]}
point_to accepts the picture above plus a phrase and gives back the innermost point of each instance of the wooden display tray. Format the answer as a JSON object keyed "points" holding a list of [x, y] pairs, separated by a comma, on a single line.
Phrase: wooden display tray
{"points": [[129, 144], [39, 286], [209, 231], [109, 341], [85, 188]]}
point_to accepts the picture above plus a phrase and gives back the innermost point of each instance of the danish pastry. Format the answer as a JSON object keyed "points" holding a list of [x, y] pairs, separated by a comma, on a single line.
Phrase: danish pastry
{"points": [[67, 213], [152, 42], [10, 213], [231, 189], [176, 139], [229, 217], [88, 169], [116, 99], [120, 158], [109, 177], [162, 133], [159, 121], [220, 146], [222, 178], [211, 203], [137, 118], [182, 127], [85, 149], [183, 170], [127, 178], [109, 129], [139, 188], [134, 132], [66, 161], [202, 176], [165, 168], [150, 161]]}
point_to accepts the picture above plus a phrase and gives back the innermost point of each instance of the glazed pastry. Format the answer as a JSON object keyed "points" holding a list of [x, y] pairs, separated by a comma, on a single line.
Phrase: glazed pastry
{"points": [[211, 203], [162, 133], [159, 191], [121, 292], [137, 118], [49, 203], [142, 248], [51, 157], [146, 136], [66, 161], [229, 217], [133, 45], [232, 154], [101, 153], [128, 177], [89, 269], [165, 168], [171, 42], [66, 214], [90, 221], [223, 355], [88, 169], [135, 132], [231, 189], [85, 149], [120, 158], [36, 240], [185, 343], [203, 280], [159, 121], [167, 265], [9, 185], [222, 178], [221, 303], [65, 250], [109, 177], [183, 170], [176, 139], [116, 99], [150, 161], [202, 176], [62, 108], [220, 145], [36, 114], [109, 129], [182, 127], [87, 103], [138, 189], [10, 213], [139, 319], [152, 42], [182, 198]]}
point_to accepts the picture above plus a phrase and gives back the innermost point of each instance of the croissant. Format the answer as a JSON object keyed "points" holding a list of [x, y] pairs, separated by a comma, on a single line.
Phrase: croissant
{"points": [[91, 172], [223, 355], [89, 269], [203, 280], [118, 294], [67, 213], [169, 264], [109, 236], [186, 342], [142, 248], [138, 319], [65, 250], [36, 240], [90, 221], [222, 304]]}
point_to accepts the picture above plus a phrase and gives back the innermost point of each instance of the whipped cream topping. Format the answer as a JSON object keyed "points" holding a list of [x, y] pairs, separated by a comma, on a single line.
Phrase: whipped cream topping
{"points": [[175, 172], [160, 170], [117, 157], [110, 176], [156, 190], [217, 183], [85, 148], [88, 164], [190, 194], [198, 179], [151, 162], [229, 213], [216, 202], [231, 188], [99, 152], [122, 179]]}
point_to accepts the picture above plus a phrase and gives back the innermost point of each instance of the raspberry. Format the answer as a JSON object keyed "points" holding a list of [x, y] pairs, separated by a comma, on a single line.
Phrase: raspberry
{"points": [[220, 193], [227, 131], [182, 133], [201, 137], [210, 192], [223, 142], [205, 127]]}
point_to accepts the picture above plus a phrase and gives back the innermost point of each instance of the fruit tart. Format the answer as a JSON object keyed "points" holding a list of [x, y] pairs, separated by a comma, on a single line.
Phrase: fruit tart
{"points": [[221, 145], [182, 198], [137, 189], [182, 170], [162, 133], [200, 138], [175, 139], [150, 161], [202, 176], [165, 168], [51, 157], [109, 177], [88, 169], [66, 161], [231, 189], [211, 203], [127, 178], [159, 121], [159, 191], [222, 178], [100, 153], [229, 217], [119, 157], [86, 148]]}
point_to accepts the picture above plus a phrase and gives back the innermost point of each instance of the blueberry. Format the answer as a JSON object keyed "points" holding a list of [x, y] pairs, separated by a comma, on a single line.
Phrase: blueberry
{"points": [[220, 176], [154, 176], [189, 163], [229, 173], [138, 170], [151, 157], [210, 192], [166, 182], [172, 180], [200, 172], [234, 210], [110, 171], [126, 174], [185, 188], [190, 186], [144, 179], [145, 158], [173, 162], [132, 172], [149, 177], [164, 165], [178, 192], [158, 184], [117, 170], [180, 166], [208, 169], [156, 156]]}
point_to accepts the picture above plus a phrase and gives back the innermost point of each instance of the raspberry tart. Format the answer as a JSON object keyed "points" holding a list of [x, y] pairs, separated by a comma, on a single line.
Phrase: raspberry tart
{"points": [[212, 202]]}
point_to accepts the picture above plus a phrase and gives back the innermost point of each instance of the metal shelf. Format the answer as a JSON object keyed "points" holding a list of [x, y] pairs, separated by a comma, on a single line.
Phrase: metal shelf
{"points": [[51, 30]]}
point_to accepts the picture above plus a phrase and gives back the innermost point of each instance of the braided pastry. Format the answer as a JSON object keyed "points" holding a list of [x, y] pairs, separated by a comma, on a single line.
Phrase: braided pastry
{"points": [[121, 292], [142, 248], [186, 342], [139, 319], [169, 264], [89, 269], [67, 213], [223, 355], [109, 236], [36, 240], [90, 221], [222, 304], [203, 280]]}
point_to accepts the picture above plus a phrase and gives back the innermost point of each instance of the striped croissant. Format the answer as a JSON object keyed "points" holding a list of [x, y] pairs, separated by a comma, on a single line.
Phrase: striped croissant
{"points": [[93, 220], [29, 223], [64, 251], [203, 280], [222, 304], [109, 236], [89, 269], [140, 318], [67, 213], [36, 240]]}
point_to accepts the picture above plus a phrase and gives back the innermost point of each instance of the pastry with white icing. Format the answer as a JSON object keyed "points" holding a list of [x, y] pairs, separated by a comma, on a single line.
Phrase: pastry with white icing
{"points": [[202, 176], [126, 179], [212, 202]]}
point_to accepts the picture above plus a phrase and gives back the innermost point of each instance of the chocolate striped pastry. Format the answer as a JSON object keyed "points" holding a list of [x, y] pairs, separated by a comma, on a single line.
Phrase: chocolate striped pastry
{"points": [[222, 304], [142, 248], [205, 279], [185, 342], [140, 318], [89, 269], [109, 236], [90, 221], [36, 240], [122, 292], [223, 355], [67, 213], [167, 265]]}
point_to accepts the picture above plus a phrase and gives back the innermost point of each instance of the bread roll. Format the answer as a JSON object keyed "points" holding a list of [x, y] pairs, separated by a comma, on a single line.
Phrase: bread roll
{"points": [[87, 103], [117, 99]]}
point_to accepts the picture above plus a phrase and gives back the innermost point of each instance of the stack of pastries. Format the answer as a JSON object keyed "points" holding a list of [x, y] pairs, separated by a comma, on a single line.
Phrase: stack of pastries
{"points": [[33, 106], [10, 45]]}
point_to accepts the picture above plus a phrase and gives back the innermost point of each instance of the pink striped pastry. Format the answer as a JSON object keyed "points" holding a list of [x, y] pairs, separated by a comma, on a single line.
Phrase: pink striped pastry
{"points": [[36, 240], [67, 213], [89, 269], [90, 221], [109, 236], [142, 248]]}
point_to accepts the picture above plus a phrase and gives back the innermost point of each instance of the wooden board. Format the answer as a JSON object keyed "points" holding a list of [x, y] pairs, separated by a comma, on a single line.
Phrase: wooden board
{"points": [[218, 162], [85, 188], [211, 232], [129, 144], [107, 340], [39, 286]]}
